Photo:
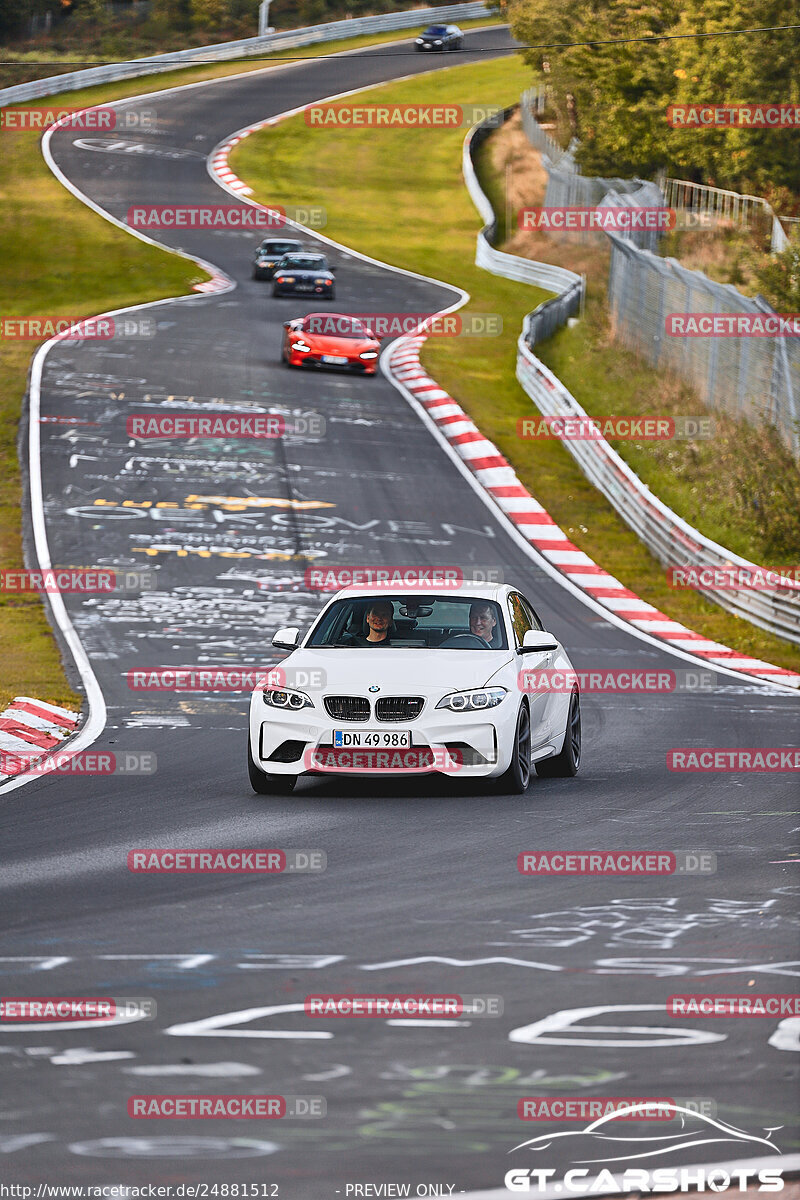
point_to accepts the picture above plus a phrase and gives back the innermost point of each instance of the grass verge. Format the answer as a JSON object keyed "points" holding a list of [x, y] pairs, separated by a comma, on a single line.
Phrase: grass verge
{"points": [[60, 259], [417, 179]]}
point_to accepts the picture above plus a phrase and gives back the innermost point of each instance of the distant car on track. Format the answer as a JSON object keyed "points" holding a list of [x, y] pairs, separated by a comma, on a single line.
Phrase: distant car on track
{"points": [[270, 252], [330, 340], [303, 274], [440, 37], [394, 672]]}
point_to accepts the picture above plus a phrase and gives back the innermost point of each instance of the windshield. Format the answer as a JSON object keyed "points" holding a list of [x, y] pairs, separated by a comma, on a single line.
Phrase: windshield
{"points": [[300, 262], [436, 31], [277, 247], [412, 623]]}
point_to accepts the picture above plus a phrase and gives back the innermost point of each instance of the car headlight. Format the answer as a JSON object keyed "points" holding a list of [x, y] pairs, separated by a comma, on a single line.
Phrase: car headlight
{"points": [[438, 42], [286, 698], [300, 346], [368, 354], [473, 700], [419, 41]]}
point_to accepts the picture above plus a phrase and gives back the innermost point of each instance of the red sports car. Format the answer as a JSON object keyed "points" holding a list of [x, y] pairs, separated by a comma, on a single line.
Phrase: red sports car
{"points": [[331, 340]]}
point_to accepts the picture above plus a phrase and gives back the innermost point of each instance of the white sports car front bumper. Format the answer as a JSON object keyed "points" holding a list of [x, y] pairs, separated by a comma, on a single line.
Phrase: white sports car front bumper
{"points": [[475, 745]]}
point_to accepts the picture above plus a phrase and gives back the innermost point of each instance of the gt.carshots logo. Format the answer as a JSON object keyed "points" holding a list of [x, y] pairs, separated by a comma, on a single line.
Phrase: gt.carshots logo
{"points": [[616, 862], [641, 1179]]}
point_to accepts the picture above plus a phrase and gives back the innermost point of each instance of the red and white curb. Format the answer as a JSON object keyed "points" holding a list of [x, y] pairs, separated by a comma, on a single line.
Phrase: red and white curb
{"points": [[219, 163], [29, 729], [499, 480]]}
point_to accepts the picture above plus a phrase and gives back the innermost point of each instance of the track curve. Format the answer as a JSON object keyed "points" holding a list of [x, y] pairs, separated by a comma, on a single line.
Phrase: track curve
{"points": [[421, 891]]}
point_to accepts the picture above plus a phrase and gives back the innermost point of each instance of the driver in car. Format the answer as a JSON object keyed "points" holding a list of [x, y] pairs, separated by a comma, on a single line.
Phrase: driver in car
{"points": [[380, 615], [482, 620]]}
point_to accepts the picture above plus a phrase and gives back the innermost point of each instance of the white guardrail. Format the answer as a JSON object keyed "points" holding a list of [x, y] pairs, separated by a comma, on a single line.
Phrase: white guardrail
{"points": [[523, 270], [672, 540], [246, 47]]}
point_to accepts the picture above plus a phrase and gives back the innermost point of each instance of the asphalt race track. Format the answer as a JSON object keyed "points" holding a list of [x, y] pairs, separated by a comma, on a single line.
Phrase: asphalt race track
{"points": [[421, 891]]}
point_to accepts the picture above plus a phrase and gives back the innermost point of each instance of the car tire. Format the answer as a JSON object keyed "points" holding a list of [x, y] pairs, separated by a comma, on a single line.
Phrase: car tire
{"points": [[565, 765], [516, 779], [268, 785]]}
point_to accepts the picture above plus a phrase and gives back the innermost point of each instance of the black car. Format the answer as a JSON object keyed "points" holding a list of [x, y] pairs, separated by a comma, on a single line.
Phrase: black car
{"points": [[440, 37], [303, 274], [270, 252]]}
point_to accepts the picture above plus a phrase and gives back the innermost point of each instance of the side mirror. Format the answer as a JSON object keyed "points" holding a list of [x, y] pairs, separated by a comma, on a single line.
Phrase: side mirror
{"points": [[331, 269], [537, 641], [286, 639]]}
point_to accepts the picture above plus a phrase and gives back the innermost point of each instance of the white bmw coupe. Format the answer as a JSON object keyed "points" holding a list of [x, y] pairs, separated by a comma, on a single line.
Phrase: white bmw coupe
{"points": [[387, 682]]}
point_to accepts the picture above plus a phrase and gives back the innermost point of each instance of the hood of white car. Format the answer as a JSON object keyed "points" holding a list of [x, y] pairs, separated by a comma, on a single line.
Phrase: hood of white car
{"points": [[394, 671]]}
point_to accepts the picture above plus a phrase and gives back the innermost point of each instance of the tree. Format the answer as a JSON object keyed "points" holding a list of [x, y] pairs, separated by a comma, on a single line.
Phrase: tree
{"points": [[622, 90]]}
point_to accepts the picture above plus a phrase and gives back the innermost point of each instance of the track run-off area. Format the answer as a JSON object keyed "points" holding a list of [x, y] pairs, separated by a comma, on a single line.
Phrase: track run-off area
{"points": [[421, 892]]}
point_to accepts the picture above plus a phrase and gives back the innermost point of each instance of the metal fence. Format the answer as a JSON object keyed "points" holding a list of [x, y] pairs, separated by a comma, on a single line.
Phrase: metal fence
{"points": [[545, 320], [246, 47], [718, 204], [510, 266], [567, 187], [672, 540], [752, 378], [755, 378]]}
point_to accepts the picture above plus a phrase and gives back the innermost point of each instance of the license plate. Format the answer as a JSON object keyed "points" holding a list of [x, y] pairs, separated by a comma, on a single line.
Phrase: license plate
{"points": [[374, 739], [333, 358], [304, 287]]}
